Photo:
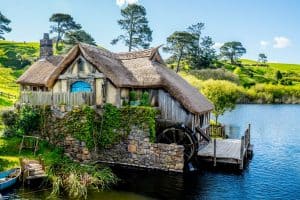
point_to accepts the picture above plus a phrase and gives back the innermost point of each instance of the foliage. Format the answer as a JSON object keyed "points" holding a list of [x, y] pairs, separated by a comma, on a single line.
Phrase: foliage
{"points": [[82, 124], [4, 28], [28, 120], [18, 55], [135, 25], [232, 51], [110, 123], [216, 74], [66, 176], [63, 23], [223, 94], [7, 163], [74, 37], [180, 44], [145, 99], [262, 58], [202, 53], [278, 75]]}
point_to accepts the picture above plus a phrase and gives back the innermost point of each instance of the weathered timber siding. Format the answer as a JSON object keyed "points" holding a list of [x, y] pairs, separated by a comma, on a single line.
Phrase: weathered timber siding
{"points": [[113, 95], [49, 98], [172, 110]]}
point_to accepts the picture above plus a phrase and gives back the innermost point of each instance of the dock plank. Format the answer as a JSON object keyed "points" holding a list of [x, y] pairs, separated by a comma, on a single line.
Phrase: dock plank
{"points": [[226, 149]]}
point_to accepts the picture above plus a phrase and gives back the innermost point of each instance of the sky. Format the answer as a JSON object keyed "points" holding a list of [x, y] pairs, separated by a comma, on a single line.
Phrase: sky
{"points": [[263, 26]]}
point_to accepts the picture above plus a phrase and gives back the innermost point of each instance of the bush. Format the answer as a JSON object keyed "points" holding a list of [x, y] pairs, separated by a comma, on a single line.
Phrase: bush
{"points": [[215, 74]]}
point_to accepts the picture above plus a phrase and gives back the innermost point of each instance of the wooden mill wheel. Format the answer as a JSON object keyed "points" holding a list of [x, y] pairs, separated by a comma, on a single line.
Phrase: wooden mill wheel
{"points": [[182, 136]]}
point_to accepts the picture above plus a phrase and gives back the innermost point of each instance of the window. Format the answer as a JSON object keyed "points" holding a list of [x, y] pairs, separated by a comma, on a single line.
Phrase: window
{"points": [[80, 64]]}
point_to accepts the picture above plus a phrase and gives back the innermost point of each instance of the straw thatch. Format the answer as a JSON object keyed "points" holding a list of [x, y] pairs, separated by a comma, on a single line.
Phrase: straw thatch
{"points": [[40, 72], [140, 69]]}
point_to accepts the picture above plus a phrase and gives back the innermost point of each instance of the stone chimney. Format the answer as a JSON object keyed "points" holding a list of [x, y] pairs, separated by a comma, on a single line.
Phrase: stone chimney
{"points": [[46, 46]]}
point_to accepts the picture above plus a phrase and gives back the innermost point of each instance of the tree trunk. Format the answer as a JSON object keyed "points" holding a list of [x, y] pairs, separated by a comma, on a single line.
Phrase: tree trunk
{"points": [[130, 32], [217, 116]]}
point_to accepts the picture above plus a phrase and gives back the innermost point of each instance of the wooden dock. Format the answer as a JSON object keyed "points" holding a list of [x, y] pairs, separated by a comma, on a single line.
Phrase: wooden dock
{"points": [[229, 151], [32, 169]]}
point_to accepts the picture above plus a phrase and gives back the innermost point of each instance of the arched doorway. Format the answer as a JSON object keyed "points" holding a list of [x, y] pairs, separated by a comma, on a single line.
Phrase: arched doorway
{"points": [[81, 86]]}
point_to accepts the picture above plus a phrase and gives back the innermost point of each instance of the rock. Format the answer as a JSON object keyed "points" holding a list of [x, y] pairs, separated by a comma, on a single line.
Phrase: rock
{"points": [[132, 148], [179, 166]]}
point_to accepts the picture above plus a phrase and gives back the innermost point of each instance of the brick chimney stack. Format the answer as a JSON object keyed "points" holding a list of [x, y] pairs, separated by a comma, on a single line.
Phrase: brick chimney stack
{"points": [[46, 46]]}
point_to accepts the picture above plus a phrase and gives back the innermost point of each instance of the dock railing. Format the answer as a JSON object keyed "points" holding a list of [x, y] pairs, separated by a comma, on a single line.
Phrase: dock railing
{"points": [[217, 131], [245, 143], [60, 98]]}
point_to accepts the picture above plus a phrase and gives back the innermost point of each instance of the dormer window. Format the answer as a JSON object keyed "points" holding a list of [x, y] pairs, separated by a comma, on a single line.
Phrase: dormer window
{"points": [[80, 65]]}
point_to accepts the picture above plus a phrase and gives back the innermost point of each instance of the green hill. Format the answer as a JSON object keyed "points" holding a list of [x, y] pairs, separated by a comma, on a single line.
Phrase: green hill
{"points": [[250, 73], [14, 57]]}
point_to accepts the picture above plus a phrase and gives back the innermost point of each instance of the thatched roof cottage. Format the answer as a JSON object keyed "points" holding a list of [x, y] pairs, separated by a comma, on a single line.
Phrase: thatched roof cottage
{"points": [[92, 75]]}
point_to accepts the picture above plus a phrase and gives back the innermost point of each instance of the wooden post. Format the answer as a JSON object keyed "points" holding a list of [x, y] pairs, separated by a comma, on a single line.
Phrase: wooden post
{"points": [[242, 152], [249, 133], [21, 146], [215, 152]]}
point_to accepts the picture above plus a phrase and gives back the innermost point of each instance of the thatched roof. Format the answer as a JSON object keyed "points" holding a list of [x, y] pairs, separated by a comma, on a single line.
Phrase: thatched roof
{"points": [[140, 69], [40, 72]]}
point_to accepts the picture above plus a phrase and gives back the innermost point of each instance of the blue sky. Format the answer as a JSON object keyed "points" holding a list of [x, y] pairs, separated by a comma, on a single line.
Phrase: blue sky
{"points": [[267, 26]]}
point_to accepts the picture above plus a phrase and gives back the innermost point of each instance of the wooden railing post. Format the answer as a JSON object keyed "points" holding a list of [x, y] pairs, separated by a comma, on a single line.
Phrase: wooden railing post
{"points": [[215, 152], [242, 152]]}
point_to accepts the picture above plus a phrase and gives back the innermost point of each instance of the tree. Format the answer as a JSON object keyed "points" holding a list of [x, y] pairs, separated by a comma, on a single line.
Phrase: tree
{"points": [[180, 45], [63, 23], [262, 58], [278, 75], [4, 28], [135, 24], [74, 37], [223, 94], [202, 54], [208, 53], [232, 51]]}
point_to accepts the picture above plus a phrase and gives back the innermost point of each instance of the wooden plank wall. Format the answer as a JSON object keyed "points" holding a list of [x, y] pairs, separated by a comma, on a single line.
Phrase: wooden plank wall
{"points": [[49, 98], [172, 110]]}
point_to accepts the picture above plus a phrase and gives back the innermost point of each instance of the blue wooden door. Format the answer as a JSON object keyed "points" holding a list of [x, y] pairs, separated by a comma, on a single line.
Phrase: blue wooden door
{"points": [[81, 86]]}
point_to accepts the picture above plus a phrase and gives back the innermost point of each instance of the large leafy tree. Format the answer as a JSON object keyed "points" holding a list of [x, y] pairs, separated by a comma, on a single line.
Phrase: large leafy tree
{"points": [[63, 23], [232, 51], [4, 28], [223, 94], [179, 44], [135, 25]]}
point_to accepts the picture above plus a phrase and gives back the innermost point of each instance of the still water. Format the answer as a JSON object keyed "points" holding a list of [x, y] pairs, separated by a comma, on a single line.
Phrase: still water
{"points": [[273, 172]]}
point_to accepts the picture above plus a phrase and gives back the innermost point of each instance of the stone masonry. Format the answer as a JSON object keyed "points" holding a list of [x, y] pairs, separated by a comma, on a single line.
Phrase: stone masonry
{"points": [[137, 151]]}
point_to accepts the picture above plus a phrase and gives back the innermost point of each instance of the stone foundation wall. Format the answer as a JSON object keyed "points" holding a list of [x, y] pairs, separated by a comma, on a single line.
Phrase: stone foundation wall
{"points": [[76, 150], [137, 151]]}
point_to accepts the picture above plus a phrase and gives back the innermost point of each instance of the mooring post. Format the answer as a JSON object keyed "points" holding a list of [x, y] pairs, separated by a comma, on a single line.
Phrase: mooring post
{"points": [[242, 152], [215, 152]]}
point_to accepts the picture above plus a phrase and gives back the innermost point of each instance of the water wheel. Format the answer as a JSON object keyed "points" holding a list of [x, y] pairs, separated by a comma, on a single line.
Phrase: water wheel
{"points": [[180, 135]]}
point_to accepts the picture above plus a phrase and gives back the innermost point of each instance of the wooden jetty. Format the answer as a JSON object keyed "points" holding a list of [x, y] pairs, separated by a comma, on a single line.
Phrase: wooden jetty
{"points": [[228, 151], [32, 169]]}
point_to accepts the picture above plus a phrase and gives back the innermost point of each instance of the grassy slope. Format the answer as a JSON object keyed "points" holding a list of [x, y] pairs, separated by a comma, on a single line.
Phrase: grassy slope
{"points": [[14, 56], [266, 74]]}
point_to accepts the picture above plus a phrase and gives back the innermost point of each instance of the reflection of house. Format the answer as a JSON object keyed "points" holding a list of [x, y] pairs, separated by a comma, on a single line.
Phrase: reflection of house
{"points": [[91, 75]]}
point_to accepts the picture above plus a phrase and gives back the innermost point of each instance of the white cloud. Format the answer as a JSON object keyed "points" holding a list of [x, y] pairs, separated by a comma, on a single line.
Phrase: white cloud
{"points": [[218, 45], [281, 42], [264, 43], [123, 2]]}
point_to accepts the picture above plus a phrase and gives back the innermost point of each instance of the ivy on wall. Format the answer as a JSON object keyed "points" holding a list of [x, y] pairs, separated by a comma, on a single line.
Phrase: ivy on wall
{"points": [[84, 123], [140, 116]]}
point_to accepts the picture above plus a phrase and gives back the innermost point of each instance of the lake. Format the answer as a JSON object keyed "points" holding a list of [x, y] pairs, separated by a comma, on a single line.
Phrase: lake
{"points": [[273, 172]]}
